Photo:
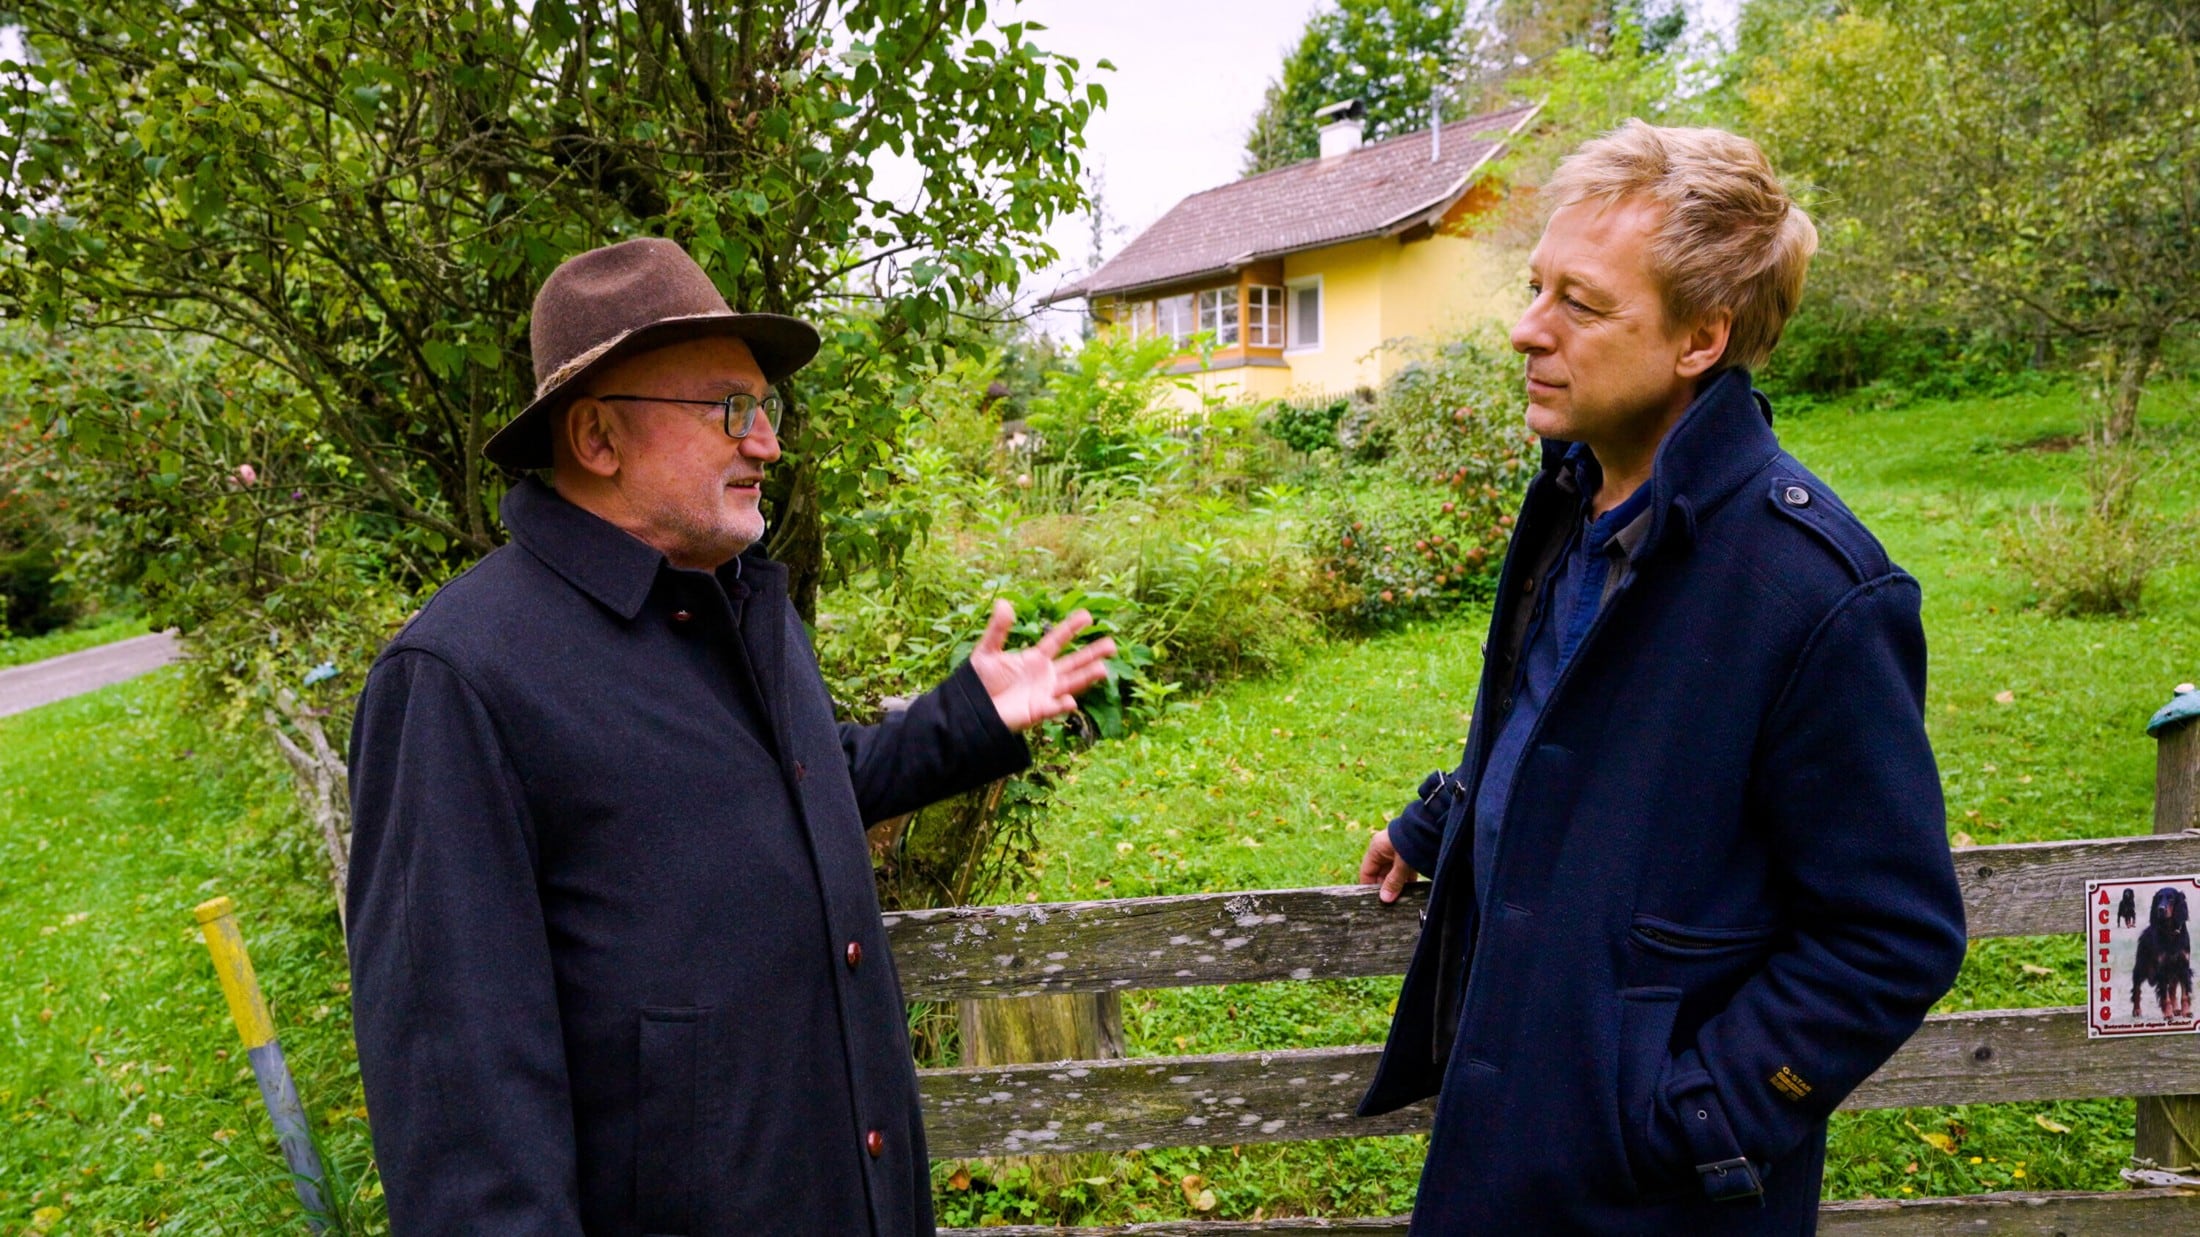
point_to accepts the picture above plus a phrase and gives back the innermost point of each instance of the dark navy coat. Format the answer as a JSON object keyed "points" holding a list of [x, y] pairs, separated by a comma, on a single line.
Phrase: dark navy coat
{"points": [[617, 962], [1721, 894]]}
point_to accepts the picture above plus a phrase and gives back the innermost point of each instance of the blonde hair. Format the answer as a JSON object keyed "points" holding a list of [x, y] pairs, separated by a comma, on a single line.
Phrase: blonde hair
{"points": [[1730, 239]]}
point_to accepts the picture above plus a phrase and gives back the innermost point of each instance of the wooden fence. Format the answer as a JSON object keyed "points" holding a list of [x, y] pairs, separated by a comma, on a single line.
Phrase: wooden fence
{"points": [[1139, 1103]]}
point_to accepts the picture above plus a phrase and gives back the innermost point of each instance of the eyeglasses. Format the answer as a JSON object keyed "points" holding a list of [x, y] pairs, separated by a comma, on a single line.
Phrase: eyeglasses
{"points": [[738, 409]]}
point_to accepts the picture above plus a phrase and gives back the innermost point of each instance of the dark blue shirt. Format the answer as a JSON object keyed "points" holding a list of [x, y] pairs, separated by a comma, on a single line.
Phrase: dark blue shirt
{"points": [[1578, 584]]}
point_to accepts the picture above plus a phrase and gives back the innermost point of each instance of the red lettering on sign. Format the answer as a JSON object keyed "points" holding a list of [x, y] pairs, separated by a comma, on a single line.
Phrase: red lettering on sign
{"points": [[2104, 936], [2104, 919], [2104, 974], [2104, 897], [2106, 1014]]}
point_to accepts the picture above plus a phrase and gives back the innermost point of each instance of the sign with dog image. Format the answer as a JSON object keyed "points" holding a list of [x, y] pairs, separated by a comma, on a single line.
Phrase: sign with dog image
{"points": [[2139, 956]]}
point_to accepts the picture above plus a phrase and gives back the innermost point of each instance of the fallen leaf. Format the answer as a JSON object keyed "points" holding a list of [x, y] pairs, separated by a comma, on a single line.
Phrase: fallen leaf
{"points": [[2005, 697], [2032, 968], [960, 1181], [1960, 840], [2049, 1124], [1191, 1186], [1096, 1180], [1205, 1202], [1933, 1138]]}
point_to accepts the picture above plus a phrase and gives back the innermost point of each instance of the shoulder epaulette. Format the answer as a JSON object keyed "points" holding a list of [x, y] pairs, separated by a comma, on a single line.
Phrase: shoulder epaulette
{"points": [[1808, 503]]}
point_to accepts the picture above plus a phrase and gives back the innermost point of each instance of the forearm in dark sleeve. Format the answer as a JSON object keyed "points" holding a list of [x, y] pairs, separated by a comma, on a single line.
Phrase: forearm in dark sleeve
{"points": [[460, 1043], [1418, 831], [949, 740]]}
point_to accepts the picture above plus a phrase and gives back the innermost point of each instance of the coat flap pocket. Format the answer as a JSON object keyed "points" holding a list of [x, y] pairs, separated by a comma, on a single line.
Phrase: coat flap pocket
{"points": [[665, 1151]]}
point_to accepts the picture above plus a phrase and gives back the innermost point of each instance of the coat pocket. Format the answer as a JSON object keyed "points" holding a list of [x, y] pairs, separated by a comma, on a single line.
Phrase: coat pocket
{"points": [[665, 1150], [1646, 1018]]}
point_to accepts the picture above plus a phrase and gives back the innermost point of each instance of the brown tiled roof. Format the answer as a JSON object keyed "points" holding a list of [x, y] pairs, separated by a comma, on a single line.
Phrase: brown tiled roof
{"points": [[1380, 187]]}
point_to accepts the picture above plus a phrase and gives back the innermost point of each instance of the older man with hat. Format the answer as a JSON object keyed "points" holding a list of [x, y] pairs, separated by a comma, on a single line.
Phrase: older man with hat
{"points": [[617, 961]]}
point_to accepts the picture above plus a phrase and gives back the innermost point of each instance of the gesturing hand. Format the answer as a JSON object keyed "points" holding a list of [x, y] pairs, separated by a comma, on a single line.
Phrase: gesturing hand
{"points": [[1382, 865], [1031, 685]]}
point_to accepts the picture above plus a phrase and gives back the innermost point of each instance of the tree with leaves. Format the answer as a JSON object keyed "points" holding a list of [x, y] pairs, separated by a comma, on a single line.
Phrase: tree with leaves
{"points": [[323, 225], [2037, 162], [1464, 56], [1391, 55]]}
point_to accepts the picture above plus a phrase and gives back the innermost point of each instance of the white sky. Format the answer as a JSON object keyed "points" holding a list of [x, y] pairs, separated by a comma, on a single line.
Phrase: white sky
{"points": [[1188, 78]]}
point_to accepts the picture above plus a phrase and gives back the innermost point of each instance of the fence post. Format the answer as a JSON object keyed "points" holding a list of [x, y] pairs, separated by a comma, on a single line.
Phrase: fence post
{"points": [[248, 1009], [2168, 1133]]}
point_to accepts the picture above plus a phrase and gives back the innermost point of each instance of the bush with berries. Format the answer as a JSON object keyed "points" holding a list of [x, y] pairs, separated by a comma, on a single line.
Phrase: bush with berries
{"points": [[1459, 444]]}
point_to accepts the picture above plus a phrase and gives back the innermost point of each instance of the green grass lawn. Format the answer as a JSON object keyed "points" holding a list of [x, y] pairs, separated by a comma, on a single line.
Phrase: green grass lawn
{"points": [[22, 650], [125, 1101], [124, 1104]]}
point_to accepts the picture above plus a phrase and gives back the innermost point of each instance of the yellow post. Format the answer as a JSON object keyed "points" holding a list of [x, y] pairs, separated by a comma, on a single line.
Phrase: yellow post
{"points": [[256, 1027]]}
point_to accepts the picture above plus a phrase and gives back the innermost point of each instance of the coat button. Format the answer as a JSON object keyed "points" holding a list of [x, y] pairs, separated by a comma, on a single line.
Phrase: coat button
{"points": [[855, 954], [875, 1143], [1795, 496], [800, 771], [681, 616], [1528, 585]]}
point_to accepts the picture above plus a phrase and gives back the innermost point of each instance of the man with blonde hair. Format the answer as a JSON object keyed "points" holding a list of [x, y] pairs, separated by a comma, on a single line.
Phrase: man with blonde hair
{"points": [[1691, 879]]}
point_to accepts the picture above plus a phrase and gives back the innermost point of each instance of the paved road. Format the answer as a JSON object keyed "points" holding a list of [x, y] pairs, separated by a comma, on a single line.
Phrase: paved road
{"points": [[73, 674]]}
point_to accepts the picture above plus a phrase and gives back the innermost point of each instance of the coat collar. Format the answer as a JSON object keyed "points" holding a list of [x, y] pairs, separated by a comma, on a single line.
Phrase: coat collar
{"points": [[1721, 441], [604, 561]]}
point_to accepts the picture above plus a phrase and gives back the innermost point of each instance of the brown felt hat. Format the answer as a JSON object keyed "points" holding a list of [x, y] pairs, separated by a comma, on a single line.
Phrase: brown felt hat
{"points": [[623, 299]]}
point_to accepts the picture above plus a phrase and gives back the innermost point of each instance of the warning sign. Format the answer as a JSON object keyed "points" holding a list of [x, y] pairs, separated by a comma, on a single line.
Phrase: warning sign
{"points": [[2139, 956]]}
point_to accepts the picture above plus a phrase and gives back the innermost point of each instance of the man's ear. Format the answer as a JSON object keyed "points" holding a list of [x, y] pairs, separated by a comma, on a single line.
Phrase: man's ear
{"points": [[588, 434], [1706, 344]]}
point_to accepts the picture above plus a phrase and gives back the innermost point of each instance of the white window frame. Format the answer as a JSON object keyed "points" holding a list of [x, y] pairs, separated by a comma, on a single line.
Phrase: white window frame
{"points": [[1182, 328], [1291, 337], [1270, 319], [1211, 303]]}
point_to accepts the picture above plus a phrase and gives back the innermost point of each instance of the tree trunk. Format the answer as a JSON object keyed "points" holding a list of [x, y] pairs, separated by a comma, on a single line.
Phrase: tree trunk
{"points": [[797, 537], [2131, 363], [1055, 1026]]}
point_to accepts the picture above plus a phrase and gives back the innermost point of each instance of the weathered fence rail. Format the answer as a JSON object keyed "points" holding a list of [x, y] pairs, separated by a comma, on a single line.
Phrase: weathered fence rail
{"points": [[1343, 932], [1995, 1056], [1138, 1103]]}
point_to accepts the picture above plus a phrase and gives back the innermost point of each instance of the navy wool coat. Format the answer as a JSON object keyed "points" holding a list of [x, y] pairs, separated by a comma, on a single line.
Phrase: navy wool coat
{"points": [[1721, 894], [617, 961]]}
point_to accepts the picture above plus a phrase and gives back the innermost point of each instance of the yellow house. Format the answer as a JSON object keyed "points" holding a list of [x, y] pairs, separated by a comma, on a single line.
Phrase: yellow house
{"points": [[1315, 279]]}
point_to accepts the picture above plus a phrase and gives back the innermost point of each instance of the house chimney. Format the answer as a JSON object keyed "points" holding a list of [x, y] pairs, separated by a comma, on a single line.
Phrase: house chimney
{"points": [[1340, 129]]}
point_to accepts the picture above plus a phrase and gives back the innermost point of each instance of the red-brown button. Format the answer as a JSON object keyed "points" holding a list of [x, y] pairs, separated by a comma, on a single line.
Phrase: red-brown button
{"points": [[855, 954], [681, 616], [875, 1143]]}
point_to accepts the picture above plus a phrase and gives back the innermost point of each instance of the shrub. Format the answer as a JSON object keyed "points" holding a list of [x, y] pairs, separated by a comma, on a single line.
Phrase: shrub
{"points": [[1826, 352], [1389, 550], [2095, 561], [1097, 415], [1307, 427], [1451, 420]]}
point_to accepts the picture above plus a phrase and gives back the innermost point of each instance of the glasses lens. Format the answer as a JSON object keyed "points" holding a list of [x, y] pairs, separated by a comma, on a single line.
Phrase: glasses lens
{"points": [[741, 410]]}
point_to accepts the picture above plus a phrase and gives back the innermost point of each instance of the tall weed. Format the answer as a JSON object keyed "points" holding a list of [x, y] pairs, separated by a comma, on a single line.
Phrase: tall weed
{"points": [[2095, 560]]}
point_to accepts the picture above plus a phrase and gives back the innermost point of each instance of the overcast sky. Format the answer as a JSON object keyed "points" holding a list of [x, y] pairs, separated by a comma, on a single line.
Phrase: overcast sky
{"points": [[1188, 78]]}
